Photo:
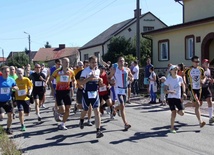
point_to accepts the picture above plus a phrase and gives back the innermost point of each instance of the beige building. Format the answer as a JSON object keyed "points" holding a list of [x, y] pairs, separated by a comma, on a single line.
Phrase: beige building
{"points": [[178, 43], [98, 45]]}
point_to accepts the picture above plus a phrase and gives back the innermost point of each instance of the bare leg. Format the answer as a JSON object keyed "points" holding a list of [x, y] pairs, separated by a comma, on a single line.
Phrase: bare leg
{"points": [[97, 118], [173, 116], [9, 120]]}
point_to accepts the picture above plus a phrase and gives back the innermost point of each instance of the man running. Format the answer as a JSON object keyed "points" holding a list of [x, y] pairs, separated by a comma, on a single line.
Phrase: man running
{"points": [[22, 96], [6, 84], [39, 84], [194, 77], [206, 92], [89, 78], [121, 75], [64, 76]]}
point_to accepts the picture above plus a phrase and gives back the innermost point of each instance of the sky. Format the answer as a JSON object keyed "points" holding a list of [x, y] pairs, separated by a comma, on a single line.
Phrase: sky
{"points": [[70, 22]]}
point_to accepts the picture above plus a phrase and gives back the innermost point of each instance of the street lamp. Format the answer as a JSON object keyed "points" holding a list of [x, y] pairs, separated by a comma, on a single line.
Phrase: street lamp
{"points": [[2, 54], [29, 45]]}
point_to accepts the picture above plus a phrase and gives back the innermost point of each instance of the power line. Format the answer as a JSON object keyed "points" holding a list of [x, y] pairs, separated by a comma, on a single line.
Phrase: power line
{"points": [[11, 38]]}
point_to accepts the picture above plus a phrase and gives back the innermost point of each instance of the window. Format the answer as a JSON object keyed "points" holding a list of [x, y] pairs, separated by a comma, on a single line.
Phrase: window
{"points": [[148, 28], [97, 54], [85, 56], [163, 50], [189, 47]]}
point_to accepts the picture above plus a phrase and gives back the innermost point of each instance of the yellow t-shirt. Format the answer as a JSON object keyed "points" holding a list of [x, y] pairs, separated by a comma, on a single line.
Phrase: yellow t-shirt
{"points": [[77, 70], [23, 85]]}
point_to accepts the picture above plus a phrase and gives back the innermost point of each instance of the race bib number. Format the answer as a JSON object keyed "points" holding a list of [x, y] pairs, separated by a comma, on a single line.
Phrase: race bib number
{"points": [[21, 92], [121, 91], [5, 90], [38, 83], [102, 89], [92, 94], [64, 78], [196, 85]]}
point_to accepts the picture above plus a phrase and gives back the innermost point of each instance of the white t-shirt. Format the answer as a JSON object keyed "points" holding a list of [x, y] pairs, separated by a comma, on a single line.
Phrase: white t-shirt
{"points": [[87, 72], [136, 74], [45, 72], [151, 77], [174, 84]]}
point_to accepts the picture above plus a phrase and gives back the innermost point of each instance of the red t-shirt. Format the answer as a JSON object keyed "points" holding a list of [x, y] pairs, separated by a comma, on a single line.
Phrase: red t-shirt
{"points": [[104, 91], [0, 73]]}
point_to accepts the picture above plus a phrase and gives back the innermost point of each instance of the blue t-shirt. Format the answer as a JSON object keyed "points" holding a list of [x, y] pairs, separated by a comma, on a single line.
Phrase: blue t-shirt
{"points": [[147, 73], [162, 88], [5, 88], [52, 69]]}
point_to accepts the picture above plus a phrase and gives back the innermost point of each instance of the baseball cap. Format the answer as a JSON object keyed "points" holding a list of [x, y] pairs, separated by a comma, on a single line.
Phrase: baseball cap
{"points": [[173, 67], [163, 77], [80, 63], [205, 60]]}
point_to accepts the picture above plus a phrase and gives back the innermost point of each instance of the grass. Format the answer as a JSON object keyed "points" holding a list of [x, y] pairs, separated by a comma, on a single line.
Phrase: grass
{"points": [[7, 146]]}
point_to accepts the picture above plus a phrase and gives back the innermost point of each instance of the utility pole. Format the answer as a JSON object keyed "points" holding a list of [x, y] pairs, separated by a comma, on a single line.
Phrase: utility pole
{"points": [[29, 46], [2, 54], [138, 13]]}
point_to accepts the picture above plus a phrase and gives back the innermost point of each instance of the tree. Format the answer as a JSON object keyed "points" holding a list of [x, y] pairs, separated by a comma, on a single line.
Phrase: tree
{"points": [[118, 46], [47, 45], [26, 51], [19, 60]]}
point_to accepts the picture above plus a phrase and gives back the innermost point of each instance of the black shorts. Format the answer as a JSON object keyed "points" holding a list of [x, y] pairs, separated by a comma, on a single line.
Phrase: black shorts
{"points": [[38, 94], [195, 94], [129, 85], [206, 93], [86, 101], [104, 97], [63, 95], [79, 96], [23, 106], [175, 103], [7, 106]]}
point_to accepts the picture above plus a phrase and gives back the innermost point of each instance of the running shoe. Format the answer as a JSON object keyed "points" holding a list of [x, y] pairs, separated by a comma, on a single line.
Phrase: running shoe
{"points": [[211, 120], [173, 131], [99, 134], [9, 131], [43, 106], [202, 124], [39, 118], [81, 125], [23, 128], [89, 123], [128, 101], [127, 126], [62, 127]]}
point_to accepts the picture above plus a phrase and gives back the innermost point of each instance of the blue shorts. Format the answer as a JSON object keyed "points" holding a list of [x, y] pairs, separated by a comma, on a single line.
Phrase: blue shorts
{"points": [[95, 102], [113, 94]]}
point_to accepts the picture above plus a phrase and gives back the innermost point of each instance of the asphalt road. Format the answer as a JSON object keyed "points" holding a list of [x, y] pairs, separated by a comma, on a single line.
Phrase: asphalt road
{"points": [[149, 134]]}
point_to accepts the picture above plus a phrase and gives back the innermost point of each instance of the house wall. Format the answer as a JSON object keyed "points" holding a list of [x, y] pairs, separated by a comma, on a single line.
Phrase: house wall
{"points": [[91, 51], [198, 9], [177, 43]]}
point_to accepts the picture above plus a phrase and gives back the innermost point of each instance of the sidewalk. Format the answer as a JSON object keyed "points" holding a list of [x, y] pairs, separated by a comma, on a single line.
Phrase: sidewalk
{"points": [[190, 110]]}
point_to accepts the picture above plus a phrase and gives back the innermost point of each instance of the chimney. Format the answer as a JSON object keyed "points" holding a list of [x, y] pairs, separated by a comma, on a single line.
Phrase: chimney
{"points": [[61, 46], [135, 13]]}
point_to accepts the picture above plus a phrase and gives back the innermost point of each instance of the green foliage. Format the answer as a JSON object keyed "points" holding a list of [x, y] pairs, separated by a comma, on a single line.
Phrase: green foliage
{"points": [[119, 46], [26, 51], [129, 58], [19, 60]]}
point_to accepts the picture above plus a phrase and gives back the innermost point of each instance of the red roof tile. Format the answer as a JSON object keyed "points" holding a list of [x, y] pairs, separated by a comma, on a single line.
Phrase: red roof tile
{"points": [[1, 59], [47, 54]]}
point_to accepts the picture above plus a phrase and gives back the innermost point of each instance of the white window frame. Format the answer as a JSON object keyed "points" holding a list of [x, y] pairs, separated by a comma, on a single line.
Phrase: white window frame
{"points": [[189, 47], [163, 50]]}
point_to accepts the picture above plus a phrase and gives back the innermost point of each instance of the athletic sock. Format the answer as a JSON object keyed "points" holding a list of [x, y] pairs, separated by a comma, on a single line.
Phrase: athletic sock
{"points": [[63, 124], [81, 120], [210, 111]]}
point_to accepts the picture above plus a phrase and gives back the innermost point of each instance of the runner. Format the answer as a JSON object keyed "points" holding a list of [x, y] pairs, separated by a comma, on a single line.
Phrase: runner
{"points": [[64, 76], [6, 84], [46, 72], [39, 84], [77, 106], [89, 79], [28, 70], [104, 91], [14, 76], [173, 86], [23, 101], [121, 76], [206, 92], [52, 84], [194, 77]]}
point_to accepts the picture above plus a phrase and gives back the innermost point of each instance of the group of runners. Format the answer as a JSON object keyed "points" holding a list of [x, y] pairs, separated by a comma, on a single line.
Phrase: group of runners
{"points": [[98, 87]]}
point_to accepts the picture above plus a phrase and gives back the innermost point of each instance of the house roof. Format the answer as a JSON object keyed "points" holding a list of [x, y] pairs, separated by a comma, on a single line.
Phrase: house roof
{"points": [[112, 31], [2, 59], [12, 53], [180, 26], [47, 54]]}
